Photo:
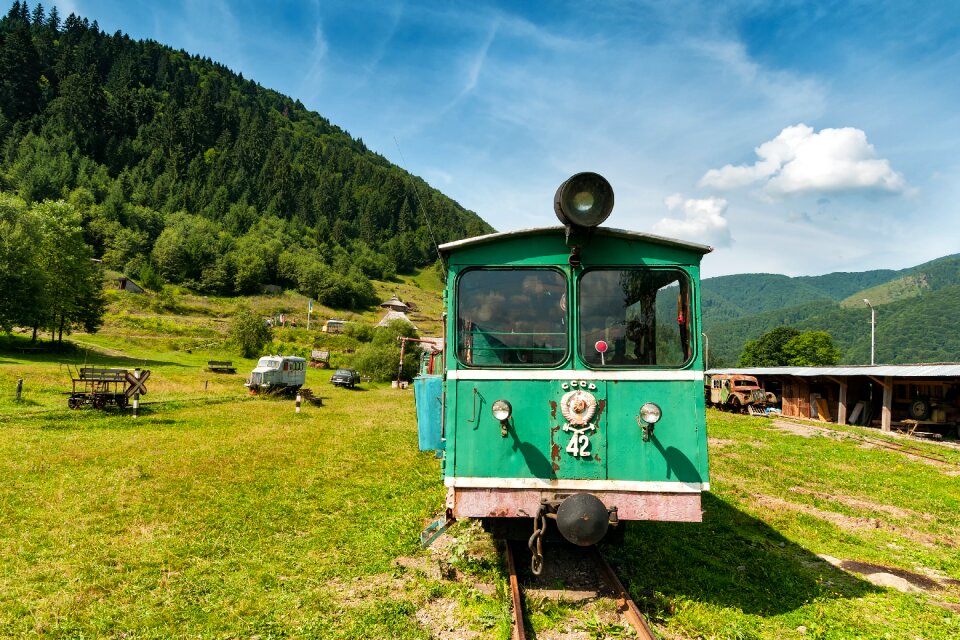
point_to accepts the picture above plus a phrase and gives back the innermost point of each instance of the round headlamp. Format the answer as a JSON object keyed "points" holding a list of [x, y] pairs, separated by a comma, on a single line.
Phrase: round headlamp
{"points": [[584, 200], [650, 413], [502, 410]]}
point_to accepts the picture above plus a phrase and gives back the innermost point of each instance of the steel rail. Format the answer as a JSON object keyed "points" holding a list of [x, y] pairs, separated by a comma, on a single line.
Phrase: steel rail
{"points": [[902, 447], [519, 633], [625, 604], [906, 449]]}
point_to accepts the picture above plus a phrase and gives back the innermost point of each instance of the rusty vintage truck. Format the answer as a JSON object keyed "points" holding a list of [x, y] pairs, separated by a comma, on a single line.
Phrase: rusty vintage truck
{"points": [[736, 392]]}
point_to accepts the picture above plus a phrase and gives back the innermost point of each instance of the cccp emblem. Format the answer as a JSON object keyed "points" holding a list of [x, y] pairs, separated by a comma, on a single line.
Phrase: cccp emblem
{"points": [[578, 408]]}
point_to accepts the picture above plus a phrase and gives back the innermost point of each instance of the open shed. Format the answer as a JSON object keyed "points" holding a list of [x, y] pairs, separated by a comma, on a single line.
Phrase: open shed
{"points": [[910, 394]]}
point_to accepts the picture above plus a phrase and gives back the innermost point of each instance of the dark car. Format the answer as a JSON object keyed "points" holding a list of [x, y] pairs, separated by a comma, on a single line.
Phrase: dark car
{"points": [[345, 378]]}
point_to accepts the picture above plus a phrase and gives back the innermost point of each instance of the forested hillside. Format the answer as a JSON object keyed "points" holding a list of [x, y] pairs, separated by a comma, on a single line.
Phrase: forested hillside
{"points": [[917, 310], [728, 297], [183, 170]]}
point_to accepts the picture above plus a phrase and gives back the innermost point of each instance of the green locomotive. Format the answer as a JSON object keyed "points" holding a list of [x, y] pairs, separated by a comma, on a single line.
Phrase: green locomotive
{"points": [[572, 385]]}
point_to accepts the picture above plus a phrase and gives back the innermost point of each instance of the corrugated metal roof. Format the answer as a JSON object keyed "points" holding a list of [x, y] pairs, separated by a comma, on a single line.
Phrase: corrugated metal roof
{"points": [[937, 370], [603, 231]]}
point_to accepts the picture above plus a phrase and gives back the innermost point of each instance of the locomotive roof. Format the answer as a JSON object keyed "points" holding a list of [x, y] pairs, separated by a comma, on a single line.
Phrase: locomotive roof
{"points": [[450, 247]]}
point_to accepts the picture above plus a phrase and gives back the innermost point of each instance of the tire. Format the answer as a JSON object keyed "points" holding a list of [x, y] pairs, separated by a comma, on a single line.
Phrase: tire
{"points": [[920, 409]]}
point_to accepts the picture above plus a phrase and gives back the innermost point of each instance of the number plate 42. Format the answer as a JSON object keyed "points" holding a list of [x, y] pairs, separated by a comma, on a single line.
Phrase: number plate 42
{"points": [[579, 445]]}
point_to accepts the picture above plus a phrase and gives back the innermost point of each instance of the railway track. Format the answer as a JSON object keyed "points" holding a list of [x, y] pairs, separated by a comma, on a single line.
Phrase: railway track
{"points": [[906, 447], [608, 586]]}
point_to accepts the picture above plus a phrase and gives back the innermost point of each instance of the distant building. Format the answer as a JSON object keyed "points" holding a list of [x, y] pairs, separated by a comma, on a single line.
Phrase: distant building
{"points": [[394, 315], [395, 304], [333, 326], [903, 395], [126, 284], [432, 343]]}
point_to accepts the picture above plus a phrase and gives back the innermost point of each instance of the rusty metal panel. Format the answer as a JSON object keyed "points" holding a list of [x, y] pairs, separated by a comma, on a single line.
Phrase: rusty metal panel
{"points": [[524, 503]]}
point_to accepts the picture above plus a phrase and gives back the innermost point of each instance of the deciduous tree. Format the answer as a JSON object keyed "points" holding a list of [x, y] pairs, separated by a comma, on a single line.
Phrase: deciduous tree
{"points": [[248, 333], [812, 349], [21, 278], [768, 349], [73, 283]]}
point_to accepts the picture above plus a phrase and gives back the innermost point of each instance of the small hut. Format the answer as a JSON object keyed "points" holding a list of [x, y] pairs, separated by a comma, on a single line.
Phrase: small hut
{"points": [[394, 315], [395, 304], [126, 284]]}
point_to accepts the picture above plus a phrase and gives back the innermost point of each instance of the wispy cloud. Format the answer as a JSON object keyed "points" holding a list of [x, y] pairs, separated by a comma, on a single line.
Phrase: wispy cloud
{"points": [[316, 59], [475, 64], [66, 7]]}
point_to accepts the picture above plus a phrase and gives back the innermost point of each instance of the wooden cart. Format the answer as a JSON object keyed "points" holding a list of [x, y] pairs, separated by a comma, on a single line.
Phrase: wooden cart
{"points": [[100, 388]]}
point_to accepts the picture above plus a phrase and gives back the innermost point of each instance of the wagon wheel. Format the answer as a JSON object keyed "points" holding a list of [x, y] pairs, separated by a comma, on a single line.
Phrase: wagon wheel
{"points": [[74, 402], [99, 402], [920, 409], [122, 401]]}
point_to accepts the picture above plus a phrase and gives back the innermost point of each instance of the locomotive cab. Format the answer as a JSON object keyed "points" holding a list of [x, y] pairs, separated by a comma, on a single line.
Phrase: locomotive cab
{"points": [[573, 385]]}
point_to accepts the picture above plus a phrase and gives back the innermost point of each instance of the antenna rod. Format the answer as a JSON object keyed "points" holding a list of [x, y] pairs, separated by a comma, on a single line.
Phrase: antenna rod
{"points": [[423, 212]]}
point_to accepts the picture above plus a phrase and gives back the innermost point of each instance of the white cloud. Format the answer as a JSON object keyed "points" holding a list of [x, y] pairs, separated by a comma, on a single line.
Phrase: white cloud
{"points": [[800, 160], [703, 221]]}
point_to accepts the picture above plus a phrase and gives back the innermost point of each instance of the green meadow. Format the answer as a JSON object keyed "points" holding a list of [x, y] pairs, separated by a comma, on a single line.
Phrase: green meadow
{"points": [[216, 514]]}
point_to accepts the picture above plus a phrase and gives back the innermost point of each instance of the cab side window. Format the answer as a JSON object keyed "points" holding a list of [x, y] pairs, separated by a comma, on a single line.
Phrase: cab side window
{"points": [[512, 317], [635, 317]]}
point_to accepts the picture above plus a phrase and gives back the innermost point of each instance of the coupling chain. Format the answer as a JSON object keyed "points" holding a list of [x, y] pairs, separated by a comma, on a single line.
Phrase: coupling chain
{"points": [[536, 540]]}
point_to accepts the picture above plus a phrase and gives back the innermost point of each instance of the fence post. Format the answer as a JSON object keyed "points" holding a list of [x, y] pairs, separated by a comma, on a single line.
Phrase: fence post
{"points": [[299, 400], [19, 388]]}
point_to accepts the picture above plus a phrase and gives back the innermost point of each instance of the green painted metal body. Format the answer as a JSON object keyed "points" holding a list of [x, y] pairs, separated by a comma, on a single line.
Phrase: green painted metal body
{"points": [[532, 444]]}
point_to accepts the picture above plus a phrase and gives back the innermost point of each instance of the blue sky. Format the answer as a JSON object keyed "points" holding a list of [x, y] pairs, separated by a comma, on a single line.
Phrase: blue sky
{"points": [[795, 137]]}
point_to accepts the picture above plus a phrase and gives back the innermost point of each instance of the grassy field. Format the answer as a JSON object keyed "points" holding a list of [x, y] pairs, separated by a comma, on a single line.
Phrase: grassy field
{"points": [[219, 515], [797, 522]]}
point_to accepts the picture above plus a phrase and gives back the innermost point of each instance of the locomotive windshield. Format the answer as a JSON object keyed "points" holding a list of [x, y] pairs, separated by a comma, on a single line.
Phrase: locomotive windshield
{"points": [[512, 317], [635, 317]]}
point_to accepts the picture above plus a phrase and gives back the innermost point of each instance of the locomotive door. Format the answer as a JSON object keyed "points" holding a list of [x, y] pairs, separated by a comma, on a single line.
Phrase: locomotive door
{"points": [[578, 440]]}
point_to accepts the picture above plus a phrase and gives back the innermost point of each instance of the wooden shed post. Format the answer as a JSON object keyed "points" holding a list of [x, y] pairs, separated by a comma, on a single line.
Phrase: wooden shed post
{"points": [[842, 408], [887, 412]]}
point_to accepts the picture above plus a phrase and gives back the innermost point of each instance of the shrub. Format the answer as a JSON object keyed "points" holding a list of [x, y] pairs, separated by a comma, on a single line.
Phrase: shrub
{"points": [[359, 331], [380, 359], [248, 333], [289, 349]]}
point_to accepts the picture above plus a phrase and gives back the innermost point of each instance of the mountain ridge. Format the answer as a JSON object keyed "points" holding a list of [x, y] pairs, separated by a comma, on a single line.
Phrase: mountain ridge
{"points": [[917, 311]]}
